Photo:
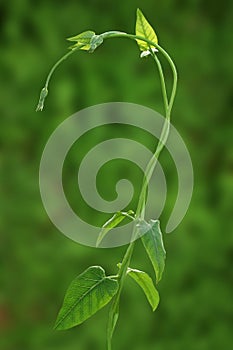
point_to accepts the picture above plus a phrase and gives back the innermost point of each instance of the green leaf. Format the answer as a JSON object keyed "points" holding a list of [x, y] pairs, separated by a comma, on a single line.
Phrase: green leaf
{"points": [[113, 222], [153, 243], [88, 293], [144, 29], [83, 40], [147, 285]]}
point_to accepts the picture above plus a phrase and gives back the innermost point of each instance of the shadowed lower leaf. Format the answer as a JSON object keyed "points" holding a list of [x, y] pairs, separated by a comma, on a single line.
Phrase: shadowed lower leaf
{"points": [[147, 285], [88, 293]]}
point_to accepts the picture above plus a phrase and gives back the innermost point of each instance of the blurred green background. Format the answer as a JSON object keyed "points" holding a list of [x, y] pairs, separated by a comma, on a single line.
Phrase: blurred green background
{"points": [[38, 262]]}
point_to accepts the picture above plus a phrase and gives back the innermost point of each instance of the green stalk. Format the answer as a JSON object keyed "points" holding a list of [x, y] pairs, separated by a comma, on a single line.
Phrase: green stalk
{"points": [[114, 310], [45, 91], [162, 140], [163, 86]]}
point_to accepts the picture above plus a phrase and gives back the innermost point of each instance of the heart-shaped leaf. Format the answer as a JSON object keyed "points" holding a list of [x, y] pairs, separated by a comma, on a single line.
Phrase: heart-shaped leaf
{"points": [[88, 293]]}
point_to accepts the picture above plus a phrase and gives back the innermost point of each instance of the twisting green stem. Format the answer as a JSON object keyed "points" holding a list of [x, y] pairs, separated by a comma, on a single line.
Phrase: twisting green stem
{"points": [[112, 34], [163, 86], [167, 105], [164, 134]]}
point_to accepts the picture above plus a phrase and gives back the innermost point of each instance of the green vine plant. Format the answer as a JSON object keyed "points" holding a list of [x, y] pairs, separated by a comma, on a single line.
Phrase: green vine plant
{"points": [[92, 290]]}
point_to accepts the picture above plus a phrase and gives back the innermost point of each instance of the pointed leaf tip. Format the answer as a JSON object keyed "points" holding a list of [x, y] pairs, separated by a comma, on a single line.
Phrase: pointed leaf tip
{"points": [[144, 29]]}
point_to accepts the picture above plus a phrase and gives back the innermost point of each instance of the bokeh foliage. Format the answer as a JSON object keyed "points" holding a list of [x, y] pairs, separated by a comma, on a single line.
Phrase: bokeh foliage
{"points": [[37, 262]]}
